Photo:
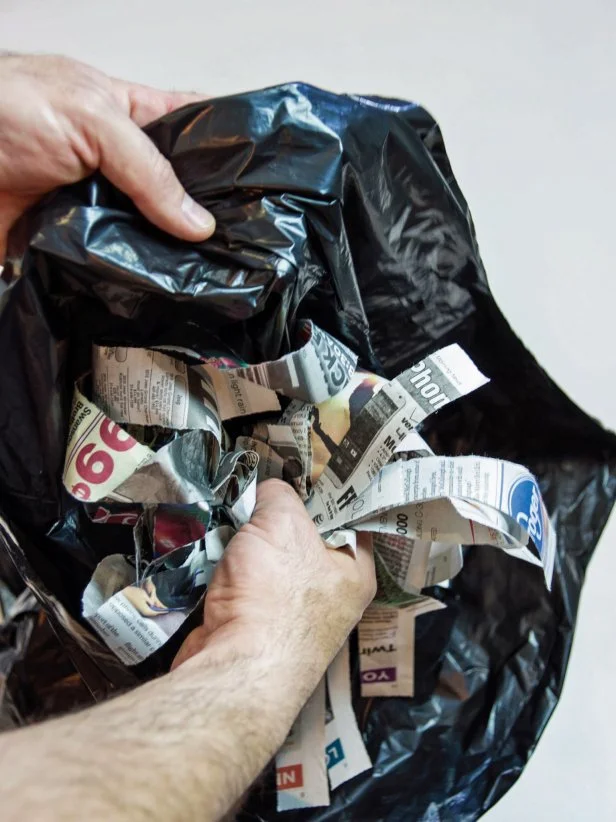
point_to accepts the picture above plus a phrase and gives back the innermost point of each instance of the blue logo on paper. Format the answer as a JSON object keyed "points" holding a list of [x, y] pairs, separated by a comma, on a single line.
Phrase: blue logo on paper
{"points": [[334, 753], [525, 508]]}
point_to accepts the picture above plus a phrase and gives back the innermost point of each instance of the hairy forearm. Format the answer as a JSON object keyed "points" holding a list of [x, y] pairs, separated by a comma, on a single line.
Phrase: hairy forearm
{"points": [[183, 747]]}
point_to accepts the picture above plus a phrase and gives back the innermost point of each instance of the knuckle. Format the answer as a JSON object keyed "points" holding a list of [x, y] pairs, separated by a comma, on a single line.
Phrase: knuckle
{"points": [[371, 589], [357, 588], [87, 95], [66, 65], [277, 486], [156, 182], [89, 106], [163, 169], [345, 586], [277, 493]]}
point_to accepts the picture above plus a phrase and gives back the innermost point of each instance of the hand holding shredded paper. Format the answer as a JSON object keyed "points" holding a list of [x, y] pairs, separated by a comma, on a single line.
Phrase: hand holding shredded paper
{"points": [[154, 448]]}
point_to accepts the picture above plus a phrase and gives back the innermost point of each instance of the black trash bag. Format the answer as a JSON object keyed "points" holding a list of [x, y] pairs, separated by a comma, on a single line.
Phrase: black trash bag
{"points": [[344, 210], [37, 677]]}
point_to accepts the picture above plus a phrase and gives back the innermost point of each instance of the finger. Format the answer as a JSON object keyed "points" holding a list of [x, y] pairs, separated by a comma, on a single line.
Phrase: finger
{"points": [[281, 516], [133, 163], [144, 104], [274, 495], [176, 99]]}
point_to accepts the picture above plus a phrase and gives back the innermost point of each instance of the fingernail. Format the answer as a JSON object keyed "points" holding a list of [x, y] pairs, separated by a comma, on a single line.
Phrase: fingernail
{"points": [[197, 215]]}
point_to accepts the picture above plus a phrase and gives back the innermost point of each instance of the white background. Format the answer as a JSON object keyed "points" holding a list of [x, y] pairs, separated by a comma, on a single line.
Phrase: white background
{"points": [[525, 94]]}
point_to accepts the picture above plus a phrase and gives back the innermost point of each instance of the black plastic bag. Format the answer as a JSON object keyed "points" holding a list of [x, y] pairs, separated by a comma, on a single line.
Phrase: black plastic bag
{"points": [[344, 210], [37, 677]]}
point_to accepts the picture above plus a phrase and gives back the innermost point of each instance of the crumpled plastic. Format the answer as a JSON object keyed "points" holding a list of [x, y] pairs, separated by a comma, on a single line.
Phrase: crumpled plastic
{"points": [[37, 677], [341, 209]]}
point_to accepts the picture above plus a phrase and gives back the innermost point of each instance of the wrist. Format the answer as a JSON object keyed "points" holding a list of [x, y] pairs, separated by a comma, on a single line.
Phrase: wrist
{"points": [[248, 689], [285, 665]]}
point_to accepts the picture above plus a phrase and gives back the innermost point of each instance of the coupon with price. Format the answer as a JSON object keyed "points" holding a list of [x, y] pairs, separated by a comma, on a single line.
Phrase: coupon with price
{"points": [[100, 455]]}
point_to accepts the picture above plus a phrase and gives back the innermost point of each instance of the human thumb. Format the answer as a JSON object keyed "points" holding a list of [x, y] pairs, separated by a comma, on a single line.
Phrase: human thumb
{"points": [[131, 161]]}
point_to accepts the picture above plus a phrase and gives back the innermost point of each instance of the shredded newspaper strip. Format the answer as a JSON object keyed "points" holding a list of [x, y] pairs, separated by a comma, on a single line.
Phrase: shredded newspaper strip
{"points": [[386, 651], [301, 773], [345, 753], [173, 445], [319, 369]]}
